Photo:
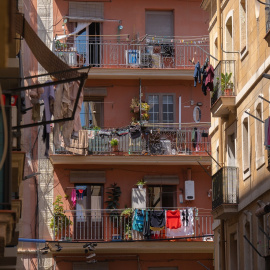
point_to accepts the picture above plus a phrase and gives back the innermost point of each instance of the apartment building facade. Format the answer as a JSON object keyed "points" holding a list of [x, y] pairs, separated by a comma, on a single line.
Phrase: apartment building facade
{"points": [[239, 111], [139, 53]]}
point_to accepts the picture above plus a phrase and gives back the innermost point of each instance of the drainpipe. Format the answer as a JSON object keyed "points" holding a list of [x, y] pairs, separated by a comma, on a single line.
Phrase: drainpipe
{"points": [[222, 231], [189, 174]]}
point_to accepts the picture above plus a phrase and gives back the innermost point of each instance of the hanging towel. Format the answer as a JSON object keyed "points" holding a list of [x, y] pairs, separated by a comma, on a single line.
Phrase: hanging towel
{"points": [[197, 74], [146, 225], [173, 219], [73, 196], [138, 220], [157, 220]]}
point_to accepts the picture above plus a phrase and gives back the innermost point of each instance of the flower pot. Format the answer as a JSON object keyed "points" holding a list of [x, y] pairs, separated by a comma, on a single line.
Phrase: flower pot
{"points": [[136, 109], [228, 92], [140, 186], [115, 148], [144, 122]]}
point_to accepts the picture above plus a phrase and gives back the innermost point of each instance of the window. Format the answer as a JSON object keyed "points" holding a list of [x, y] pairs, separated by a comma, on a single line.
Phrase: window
{"points": [[259, 127], [216, 49], [245, 147], [161, 108], [161, 196], [243, 26], [229, 35], [159, 23], [92, 113]]}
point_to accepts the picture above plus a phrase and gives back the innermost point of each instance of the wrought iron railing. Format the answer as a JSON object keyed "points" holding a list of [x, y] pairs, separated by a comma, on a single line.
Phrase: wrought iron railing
{"points": [[225, 186], [224, 86], [153, 140], [100, 225], [121, 54]]}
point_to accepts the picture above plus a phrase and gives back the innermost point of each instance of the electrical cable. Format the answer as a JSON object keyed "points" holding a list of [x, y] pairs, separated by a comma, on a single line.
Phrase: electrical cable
{"points": [[5, 127]]}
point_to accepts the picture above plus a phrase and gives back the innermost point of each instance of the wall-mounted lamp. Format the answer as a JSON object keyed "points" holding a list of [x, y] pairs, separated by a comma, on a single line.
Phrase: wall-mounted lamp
{"points": [[199, 104], [209, 192], [120, 27]]}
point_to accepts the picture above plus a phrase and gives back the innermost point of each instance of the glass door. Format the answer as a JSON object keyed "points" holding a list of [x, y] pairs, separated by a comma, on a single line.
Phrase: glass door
{"points": [[89, 217]]}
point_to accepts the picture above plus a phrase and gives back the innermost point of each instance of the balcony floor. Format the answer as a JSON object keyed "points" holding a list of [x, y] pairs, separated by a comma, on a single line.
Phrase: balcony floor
{"points": [[130, 160], [225, 211], [140, 73], [139, 247], [223, 106]]}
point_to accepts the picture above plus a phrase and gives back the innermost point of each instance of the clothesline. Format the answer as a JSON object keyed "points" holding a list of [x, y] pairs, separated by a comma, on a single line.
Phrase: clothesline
{"points": [[122, 209]]}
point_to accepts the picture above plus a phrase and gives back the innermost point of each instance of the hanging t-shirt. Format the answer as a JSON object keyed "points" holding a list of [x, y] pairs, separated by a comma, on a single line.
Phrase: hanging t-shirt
{"points": [[157, 220], [173, 219]]}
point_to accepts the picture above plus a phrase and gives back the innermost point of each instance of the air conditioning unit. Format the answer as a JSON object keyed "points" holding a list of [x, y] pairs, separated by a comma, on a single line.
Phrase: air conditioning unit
{"points": [[189, 190]]}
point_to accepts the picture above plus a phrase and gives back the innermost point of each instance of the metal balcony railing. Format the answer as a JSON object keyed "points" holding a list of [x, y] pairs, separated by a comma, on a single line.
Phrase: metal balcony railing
{"points": [[155, 140], [224, 86], [101, 225], [225, 187], [121, 54]]}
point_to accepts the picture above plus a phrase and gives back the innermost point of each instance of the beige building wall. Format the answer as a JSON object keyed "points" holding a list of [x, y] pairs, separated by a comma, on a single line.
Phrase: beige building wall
{"points": [[252, 59]]}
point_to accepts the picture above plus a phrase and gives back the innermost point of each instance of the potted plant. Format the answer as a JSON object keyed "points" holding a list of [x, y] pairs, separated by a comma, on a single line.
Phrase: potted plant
{"points": [[127, 222], [134, 106], [145, 107], [127, 213], [113, 198], [60, 222], [141, 183], [226, 84], [112, 205], [145, 116], [114, 144]]}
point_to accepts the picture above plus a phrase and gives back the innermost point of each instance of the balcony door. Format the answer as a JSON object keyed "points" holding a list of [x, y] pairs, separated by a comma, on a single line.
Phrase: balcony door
{"points": [[88, 45], [88, 218], [232, 173], [92, 112]]}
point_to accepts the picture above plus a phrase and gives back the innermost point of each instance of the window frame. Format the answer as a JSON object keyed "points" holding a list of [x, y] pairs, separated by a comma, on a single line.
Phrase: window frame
{"points": [[246, 149], [160, 95], [243, 47], [229, 56], [259, 157]]}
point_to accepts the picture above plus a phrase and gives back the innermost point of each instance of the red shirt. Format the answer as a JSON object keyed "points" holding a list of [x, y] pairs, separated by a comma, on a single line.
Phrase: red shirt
{"points": [[173, 219]]}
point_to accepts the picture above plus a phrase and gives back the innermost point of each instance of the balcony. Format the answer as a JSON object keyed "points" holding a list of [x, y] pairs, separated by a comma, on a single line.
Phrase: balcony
{"points": [[108, 57], [223, 98], [103, 225], [225, 197], [153, 143]]}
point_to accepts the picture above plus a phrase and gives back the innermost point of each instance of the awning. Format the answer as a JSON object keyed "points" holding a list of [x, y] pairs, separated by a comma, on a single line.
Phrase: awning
{"points": [[89, 19], [80, 27], [48, 60]]}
